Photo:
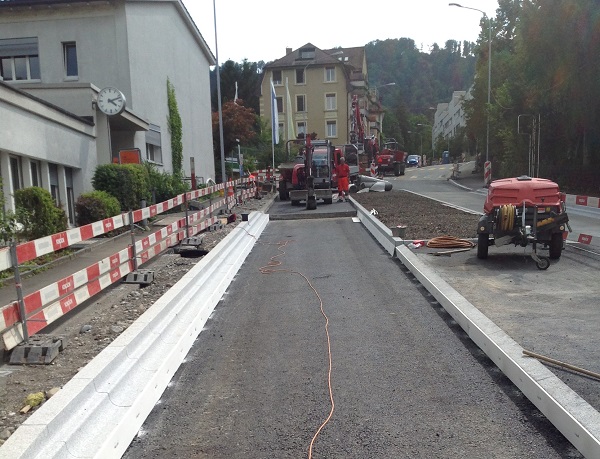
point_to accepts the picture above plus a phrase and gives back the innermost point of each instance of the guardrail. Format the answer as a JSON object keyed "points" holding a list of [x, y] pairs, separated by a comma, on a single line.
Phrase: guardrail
{"points": [[31, 313]]}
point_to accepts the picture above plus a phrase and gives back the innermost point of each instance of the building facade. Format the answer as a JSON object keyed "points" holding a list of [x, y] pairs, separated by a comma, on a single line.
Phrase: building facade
{"points": [[315, 90], [450, 116], [62, 53]]}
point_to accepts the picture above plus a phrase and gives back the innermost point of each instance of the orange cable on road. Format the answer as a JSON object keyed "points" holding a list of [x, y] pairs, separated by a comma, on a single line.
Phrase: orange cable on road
{"points": [[270, 269], [448, 242]]}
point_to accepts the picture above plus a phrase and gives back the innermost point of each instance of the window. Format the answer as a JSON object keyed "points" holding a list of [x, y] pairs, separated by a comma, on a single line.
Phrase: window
{"points": [[70, 195], [307, 53], [19, 60], [300, 127], [279, 100], [277, 79], [330, 74], [70, 58], [300, 76], [54, 190], [330, 102], [153, 144], [35, 173], [331, 129], [15, 173], [300, 103]]}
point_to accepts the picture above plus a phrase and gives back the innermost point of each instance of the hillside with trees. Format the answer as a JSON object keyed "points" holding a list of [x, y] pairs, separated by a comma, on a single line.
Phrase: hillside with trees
{"points": [[544, 68]]}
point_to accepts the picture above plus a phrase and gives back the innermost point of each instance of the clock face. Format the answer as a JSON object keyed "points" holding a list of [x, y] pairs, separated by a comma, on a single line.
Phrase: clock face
{"points": [[111, 101]]}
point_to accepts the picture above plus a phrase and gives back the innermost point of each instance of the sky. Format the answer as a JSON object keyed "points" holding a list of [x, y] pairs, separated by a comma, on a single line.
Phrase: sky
{"points": [[261, 30]]}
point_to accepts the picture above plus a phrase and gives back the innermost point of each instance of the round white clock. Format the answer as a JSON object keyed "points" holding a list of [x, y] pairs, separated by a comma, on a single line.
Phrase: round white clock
{"points": [[111, 101]]}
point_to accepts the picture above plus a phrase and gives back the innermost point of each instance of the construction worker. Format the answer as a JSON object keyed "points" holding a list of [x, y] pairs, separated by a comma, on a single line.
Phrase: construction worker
{"points": [[342, 171]]}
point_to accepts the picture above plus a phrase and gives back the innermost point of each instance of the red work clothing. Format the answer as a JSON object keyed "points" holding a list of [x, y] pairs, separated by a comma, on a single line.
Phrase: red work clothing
{"points": [[343, 172]]}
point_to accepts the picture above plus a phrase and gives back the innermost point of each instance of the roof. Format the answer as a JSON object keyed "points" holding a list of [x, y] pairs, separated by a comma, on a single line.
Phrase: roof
{"points": [[178, 3], [352, 57], [43, 102]]}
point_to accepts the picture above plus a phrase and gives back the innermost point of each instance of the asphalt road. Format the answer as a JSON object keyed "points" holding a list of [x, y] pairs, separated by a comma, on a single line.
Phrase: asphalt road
{"points": [[405, 379]]}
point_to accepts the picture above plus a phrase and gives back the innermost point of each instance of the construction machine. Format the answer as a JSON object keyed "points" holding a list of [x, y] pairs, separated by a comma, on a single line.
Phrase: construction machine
{"points": [[391, 158], [308, 176], [521, 211]]}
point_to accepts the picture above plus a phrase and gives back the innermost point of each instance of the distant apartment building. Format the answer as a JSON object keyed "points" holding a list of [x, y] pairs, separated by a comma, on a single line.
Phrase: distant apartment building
{"points": [[450, 116], [57, 55], [315, 90]]}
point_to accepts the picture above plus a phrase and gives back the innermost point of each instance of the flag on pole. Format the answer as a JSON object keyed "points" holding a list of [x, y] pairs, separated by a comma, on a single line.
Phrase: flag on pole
{"points": [[289, 116], [236, 94], [274, 115]]}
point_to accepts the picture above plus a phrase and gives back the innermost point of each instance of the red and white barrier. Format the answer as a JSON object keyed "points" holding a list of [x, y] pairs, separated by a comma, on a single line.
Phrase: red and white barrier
{"points": [[62, 296], [585, 201], [51, 302], [487, 173]]}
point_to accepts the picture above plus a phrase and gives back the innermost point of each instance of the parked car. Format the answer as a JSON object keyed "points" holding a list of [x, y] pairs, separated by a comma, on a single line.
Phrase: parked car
{"points": [[413, 161]]}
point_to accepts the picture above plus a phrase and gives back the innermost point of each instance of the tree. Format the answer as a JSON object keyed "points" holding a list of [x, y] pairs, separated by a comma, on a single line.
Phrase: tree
{"points": [[248, 77], [239, 123], [176, 131]]}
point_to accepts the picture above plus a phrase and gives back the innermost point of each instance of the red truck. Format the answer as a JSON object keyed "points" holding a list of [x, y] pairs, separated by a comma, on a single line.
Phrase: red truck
{"points": [[391, 159]]}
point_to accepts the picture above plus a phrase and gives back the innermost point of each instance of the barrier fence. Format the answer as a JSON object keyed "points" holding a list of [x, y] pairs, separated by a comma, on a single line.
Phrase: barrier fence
{"points": [[31, 313]]}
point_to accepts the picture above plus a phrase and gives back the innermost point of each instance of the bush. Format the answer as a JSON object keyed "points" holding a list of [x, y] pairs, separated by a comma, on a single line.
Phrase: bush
{"points": [[95, 206], [129, 183], [164, 185], [38, 213]]}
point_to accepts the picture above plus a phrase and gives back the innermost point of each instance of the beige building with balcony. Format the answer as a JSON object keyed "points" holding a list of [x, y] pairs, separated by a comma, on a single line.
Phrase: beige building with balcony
{"points": [[314, 91]]}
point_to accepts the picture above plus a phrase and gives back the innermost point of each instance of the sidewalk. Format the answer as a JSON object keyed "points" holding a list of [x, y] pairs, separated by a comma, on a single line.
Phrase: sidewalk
{"points": [[87, 253]]}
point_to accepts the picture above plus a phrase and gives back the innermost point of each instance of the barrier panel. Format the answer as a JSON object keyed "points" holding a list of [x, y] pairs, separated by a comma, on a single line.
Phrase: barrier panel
{"points": [[487, 173], [31, 313]]}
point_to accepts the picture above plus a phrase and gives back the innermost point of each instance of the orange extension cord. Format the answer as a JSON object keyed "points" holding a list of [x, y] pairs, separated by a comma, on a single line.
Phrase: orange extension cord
{"points": [[449, 242], [270, 268]]}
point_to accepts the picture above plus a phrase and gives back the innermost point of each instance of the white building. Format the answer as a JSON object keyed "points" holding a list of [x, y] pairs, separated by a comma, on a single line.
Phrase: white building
{"points": [[56, 55], [450, 116]]}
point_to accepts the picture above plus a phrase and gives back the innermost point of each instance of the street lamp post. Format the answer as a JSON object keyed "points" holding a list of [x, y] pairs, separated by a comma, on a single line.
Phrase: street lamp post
{"points": [[487, 147], [426, 125], [223, 172]]}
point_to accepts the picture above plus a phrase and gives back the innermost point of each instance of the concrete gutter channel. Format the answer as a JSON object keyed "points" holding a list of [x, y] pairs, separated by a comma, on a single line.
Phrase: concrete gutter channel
{"points": [[99, 412]]}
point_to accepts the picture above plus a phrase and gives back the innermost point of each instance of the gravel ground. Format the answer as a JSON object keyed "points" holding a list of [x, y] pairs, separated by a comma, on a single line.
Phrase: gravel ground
{"points": [[114, 310]]}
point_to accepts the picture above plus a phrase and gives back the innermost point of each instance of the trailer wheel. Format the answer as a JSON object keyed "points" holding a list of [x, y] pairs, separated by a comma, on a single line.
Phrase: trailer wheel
{"points": [[556, 245], [543, 263], [483, 243], [328, 201]]}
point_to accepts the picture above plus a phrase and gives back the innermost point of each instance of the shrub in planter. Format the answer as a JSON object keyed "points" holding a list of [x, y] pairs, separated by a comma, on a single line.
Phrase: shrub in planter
{"points": [[95, 206], [129, 183], [38, 213], [164, 185]]}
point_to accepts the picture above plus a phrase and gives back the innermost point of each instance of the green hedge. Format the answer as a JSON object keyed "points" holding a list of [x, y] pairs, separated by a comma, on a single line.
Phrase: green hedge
{"points": [[95, 206], [38, 213], [164, 185], [129, 183]]}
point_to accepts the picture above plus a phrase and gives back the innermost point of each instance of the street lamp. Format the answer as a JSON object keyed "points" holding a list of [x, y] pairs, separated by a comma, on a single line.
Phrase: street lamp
{"points": [[426, 125], [223, 172], [487, 148]]}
